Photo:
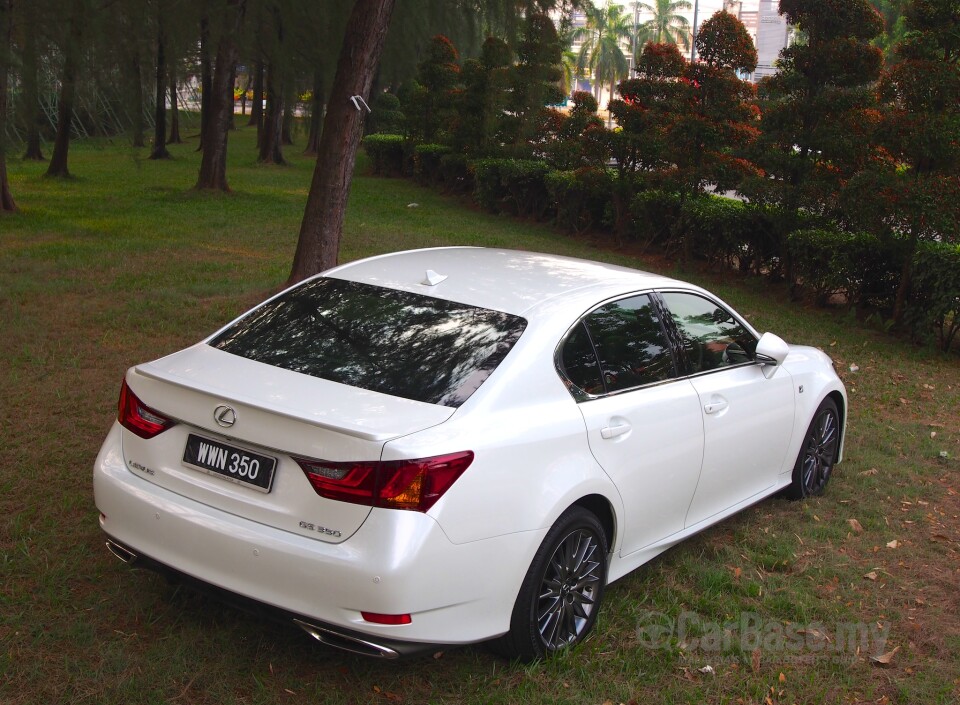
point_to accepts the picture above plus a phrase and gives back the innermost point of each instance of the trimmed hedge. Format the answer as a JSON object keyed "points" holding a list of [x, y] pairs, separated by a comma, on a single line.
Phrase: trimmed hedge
{"points": [[386, 152], [860, 267], [653, 214], [934, 302], [426, 162], [580, 198], [516, 186]]}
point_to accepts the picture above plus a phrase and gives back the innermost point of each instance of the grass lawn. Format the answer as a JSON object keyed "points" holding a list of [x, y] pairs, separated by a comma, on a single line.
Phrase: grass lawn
{"points": [[124, 263]]}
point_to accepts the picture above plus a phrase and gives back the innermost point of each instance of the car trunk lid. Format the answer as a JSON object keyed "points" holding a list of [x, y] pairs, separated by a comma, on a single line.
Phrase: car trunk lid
{"points": [[233, 412]]}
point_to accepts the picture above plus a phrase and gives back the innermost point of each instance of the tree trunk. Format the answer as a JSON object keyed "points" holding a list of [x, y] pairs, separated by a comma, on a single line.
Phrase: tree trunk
{"points": [[903, 288], [286, 133], [206, 78], [30, 105], [256, 107], [322, 228], [160, 116], [213, 164], [316, 114], [174, 109], [137, 85], [7, 203], [271, 151], [61, 145]]}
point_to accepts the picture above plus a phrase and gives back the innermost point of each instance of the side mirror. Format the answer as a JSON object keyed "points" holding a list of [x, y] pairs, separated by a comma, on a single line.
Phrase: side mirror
{"points": [[771, 352]]}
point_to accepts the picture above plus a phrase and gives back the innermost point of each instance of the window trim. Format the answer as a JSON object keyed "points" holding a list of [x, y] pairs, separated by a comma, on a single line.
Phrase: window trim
{"points": [[671, 332], [676, 335], [581, 395]]}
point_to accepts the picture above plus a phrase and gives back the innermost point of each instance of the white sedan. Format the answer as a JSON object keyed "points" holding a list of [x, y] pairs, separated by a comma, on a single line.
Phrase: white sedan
{"points": [[456, 445]]}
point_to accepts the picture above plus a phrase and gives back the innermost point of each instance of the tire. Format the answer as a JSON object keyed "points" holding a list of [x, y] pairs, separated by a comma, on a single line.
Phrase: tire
{"points": [[818, 454], [562, 590]]}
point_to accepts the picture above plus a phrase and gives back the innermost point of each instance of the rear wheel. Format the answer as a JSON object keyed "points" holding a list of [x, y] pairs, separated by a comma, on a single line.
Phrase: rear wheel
{"points": [[561, 592], [818, 453]]}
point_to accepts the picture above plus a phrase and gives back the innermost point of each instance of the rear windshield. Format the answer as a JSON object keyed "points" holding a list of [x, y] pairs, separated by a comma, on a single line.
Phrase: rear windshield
{"points": [[395, 342]]}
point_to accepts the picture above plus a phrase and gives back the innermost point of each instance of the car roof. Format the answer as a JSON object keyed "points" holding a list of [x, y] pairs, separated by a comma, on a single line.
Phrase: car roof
{"points": [[511, 281]]}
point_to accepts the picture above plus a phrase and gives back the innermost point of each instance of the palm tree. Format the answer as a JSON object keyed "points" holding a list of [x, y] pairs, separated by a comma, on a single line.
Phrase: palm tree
{"points": [[601, 52], [667, 24]]}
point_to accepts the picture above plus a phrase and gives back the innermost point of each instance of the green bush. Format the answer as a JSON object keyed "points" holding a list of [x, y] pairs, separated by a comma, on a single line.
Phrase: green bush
{"points": [[934, 302], [718, 228], [386, 152], [455, 173], [653, 214], [386, 116], [426, 162], [516, 186], [580, 198], [863, 269]]}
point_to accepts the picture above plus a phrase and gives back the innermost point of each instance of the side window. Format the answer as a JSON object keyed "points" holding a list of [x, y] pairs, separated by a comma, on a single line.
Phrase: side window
{"points": [[630, 343], [712, 337], [579, 361]]}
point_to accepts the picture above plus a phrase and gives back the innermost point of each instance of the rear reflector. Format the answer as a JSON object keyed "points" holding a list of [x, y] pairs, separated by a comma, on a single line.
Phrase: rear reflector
{"points": [[139, 418], [386, 618], [397, 484]]}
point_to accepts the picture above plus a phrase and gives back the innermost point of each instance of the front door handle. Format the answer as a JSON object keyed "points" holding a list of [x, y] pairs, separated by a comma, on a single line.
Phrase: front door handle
{"points": [[715, 406], [609, 432]]}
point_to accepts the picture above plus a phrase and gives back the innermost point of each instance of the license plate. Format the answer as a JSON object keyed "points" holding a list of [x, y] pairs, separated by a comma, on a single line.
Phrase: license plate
{"points": [[235, 464]]}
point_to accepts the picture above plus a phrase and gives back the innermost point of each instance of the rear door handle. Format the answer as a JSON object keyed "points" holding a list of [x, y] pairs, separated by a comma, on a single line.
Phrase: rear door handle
{"points": [[609, 432]]}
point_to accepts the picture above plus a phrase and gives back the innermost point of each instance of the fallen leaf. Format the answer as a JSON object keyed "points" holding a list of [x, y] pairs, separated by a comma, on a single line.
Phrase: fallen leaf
{"points": [[868, 473], [287, 690], [903, 401], [893, 544], [783, 678], [437, 655], [886, 659], [707, 670], [755, 660], [933, 434], [855, 525], [872, 575], [854, 368]]}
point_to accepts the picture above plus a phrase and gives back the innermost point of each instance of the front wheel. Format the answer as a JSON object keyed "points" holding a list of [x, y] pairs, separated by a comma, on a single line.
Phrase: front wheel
{"points": [[818, 453], [561, 592]]}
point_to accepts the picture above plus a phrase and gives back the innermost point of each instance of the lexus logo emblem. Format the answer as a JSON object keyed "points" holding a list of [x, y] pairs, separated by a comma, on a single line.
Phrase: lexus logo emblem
{"points": [[225, 416]]}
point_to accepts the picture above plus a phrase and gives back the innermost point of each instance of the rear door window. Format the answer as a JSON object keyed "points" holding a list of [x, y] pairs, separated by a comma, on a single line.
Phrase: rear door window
{"points": [[620, 345]]}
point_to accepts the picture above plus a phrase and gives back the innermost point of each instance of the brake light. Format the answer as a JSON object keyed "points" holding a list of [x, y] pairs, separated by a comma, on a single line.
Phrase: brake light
{"points": [[139, 418], [396, 484]]}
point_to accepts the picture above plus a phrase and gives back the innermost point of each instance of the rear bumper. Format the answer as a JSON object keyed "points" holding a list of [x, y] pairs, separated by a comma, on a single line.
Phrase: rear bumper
{"points": [[398, 562]]}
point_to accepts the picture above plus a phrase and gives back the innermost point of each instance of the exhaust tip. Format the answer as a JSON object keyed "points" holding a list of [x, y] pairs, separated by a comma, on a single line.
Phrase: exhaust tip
{"points": [[345, 642], [124, 554]]}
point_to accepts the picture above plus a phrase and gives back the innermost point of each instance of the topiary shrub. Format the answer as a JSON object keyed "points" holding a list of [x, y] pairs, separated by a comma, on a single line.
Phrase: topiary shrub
{"points": [[934, 301], [580, 198], [426, 162], [455, 173], [516, 186], [653, 214], [386, 116], [863, 269], [386, 152]]}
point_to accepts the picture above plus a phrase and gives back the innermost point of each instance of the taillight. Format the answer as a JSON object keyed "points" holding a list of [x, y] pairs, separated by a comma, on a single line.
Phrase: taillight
{"points": [[137, 417], [396, 484]]}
